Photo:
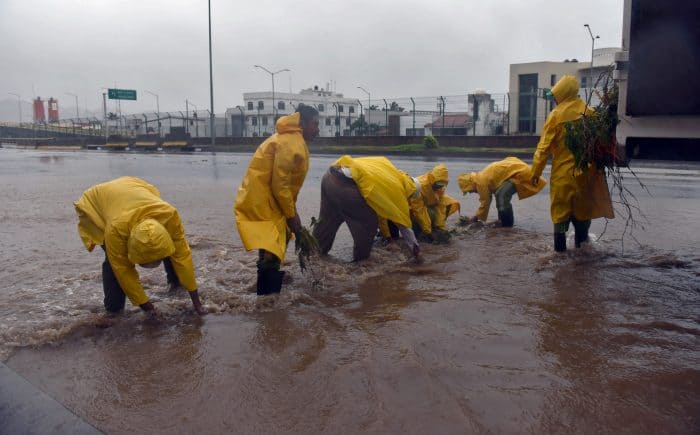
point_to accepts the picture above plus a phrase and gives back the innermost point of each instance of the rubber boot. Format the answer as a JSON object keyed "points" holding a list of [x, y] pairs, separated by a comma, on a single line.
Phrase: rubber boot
{"points": [[506, 218], [275, 281], [580, 237], [560, 242], [581, 231], [261, 285]]}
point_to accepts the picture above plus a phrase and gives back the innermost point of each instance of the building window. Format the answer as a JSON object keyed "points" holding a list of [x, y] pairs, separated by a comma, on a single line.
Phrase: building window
{"points": [[584, 82], [527, 103], [340, 108], [337, 121], [320, 108], [281, 105], [261, 105], [352, 109], [328, 121], [553, 79], [264, 120], [254, 121], [250, 105], [347, 122]]}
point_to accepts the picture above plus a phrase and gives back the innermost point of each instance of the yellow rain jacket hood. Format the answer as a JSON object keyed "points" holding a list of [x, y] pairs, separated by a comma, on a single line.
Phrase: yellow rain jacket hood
{"points": [[583, 195], [268, 194], [149, 241], [442, 204], [487, 181], [385, 188], [136, 226]]}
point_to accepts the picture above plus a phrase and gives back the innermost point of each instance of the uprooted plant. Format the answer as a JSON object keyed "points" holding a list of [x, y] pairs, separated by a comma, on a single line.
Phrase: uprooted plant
{"points": [[305, 246], [592, 141]]}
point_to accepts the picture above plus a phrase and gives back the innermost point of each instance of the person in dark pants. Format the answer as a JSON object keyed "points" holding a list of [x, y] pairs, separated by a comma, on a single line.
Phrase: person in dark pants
{"points": [[133, 225], [341, 201], [115, 298], [366, 193], [502, 180], [265, 208]]}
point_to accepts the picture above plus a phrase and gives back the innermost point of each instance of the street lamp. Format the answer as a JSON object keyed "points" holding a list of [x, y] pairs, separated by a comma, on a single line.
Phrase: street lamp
{"points": [[77, 112], [157, 108], [19, 105], [369, 108], [272, 76], [593, 38], [211, 89], [187, 114]]}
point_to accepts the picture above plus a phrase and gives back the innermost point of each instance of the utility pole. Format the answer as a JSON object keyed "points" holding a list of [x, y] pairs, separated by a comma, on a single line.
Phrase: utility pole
{"points": [[386, 117], [157, 108], [413, 133], [272, 77], [104, 113], [442, 109], [77, 112], [362, 116], [19, 106], [211, 88], [593, 38], [369, 108]]}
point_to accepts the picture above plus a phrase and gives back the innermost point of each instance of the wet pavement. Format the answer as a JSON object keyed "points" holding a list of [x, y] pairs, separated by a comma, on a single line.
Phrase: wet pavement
{"points": [[494, 333]]}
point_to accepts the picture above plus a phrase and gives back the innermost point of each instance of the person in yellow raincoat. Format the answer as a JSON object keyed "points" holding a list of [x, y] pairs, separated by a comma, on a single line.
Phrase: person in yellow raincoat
{"points": [[127, 217], [575, 196], [501, 179], [365, 193], [265, 207], [430, 209]]}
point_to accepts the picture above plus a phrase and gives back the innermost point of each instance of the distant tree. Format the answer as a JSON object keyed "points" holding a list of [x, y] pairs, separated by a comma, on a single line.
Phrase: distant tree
{"points": [[361, 127], [394, 107], [373, 107]]}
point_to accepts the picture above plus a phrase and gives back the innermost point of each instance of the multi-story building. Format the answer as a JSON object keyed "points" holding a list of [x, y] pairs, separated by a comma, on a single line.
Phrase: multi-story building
{"points": [[529, 81], [256, 118]]}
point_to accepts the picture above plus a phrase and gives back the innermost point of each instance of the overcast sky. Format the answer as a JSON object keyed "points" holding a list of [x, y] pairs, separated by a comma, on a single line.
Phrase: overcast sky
{"points": [[392, 48]]}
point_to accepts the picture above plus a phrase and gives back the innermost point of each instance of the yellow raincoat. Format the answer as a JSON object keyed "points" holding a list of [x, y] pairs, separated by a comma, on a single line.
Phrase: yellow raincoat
{"points": [[438, 201], [136, 226], [583, 195], [488, 180], [385, 188], [268, 194]]}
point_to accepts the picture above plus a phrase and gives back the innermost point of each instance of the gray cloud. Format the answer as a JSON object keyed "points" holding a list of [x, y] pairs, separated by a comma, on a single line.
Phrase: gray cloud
{"points": [[394, 48]]}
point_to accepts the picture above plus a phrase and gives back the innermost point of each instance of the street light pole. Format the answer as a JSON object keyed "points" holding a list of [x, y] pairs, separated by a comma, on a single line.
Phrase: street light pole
{"points": [[19, 105], [593, 38], [272, 76], [211, 88], [369, 107], [362, 117], [77, 112], [157, 108]]}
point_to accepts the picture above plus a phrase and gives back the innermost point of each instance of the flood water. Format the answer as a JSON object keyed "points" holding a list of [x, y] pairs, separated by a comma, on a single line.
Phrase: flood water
{"points": [[493, 333]]}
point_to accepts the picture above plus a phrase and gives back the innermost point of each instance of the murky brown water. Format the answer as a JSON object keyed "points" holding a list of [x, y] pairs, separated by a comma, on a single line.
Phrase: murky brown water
{"points": [[493, 334]]}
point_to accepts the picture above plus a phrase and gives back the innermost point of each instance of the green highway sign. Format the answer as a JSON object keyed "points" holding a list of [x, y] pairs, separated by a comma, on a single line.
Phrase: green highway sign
{"points": [[121, 94]]}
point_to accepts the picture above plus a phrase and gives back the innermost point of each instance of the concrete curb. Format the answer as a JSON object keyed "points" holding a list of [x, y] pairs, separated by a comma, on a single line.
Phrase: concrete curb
{"points": [[24, 409]]}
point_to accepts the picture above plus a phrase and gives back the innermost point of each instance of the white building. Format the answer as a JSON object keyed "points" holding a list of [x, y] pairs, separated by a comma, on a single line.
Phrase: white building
{"points": [[336, 113], [528, 82]]}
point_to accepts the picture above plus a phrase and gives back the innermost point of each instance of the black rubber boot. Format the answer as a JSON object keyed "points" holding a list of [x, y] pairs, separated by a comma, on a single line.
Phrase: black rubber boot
{"points": [[560, 242], [580, 237], [275, 281], [581, 231], [261, 285], [506, 218]]}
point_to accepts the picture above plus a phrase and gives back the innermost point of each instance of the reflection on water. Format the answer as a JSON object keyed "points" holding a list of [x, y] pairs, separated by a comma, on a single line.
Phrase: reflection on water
{"points": [[493, 333]]}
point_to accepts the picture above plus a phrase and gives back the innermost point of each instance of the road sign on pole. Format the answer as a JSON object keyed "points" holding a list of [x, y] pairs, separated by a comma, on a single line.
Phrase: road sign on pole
{"points": [[121, 94]]}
